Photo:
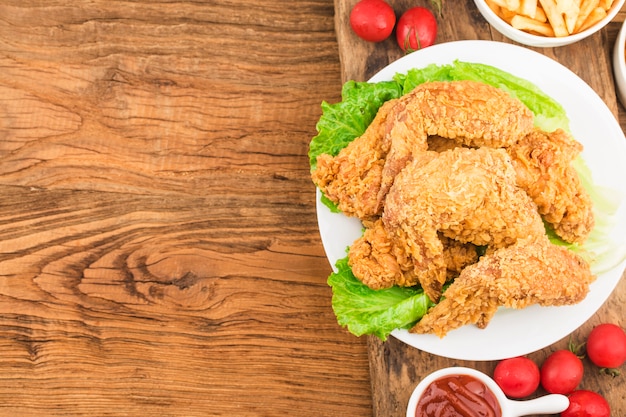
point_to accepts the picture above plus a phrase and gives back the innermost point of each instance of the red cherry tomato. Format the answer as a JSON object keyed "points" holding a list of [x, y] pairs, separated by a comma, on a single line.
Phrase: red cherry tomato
{"points": [[372, 20], [517, 377], [417, 29], [561, 372], [606, 346], [583, 403]]}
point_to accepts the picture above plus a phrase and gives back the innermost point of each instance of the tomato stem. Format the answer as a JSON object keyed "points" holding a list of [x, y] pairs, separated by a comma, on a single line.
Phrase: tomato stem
{"points": [[614, 372], [407, 42], [576, 348], [438, 5]]}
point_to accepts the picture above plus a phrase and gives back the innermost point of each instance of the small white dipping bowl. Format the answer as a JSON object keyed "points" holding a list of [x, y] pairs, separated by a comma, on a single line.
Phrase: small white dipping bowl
{"points": [[619, 64], [548, 404], [543, 41]]}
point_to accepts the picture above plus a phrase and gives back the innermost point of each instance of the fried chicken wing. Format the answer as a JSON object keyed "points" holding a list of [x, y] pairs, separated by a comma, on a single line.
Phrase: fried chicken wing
{"points": [[532, 271], [352, 178], [381, 262], [543, 163], [468, 195], [471, 113]]}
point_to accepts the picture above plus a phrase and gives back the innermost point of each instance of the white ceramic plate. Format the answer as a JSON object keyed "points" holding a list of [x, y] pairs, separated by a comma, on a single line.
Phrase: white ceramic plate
{"points": [[516, 332]]}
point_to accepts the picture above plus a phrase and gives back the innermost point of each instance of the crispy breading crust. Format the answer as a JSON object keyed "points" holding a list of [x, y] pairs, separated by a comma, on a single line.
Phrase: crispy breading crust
{"points": [[543, 163], [469, 112], [379, 262], [467, 195], [352, 178], [532, 271]]}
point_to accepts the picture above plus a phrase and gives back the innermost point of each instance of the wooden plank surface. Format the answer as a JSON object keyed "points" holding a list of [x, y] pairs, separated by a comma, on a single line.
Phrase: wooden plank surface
{"points": [[396, 368], [159, 248]]}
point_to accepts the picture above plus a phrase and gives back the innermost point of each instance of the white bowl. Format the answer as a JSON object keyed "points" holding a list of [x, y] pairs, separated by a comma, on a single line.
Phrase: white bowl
{"points": [[542, 41], [619, 64], [548, 404]]}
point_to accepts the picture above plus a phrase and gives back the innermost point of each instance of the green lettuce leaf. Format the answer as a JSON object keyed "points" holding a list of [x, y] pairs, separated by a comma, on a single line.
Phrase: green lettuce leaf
{"points": [[377, 312], [417, 76]]}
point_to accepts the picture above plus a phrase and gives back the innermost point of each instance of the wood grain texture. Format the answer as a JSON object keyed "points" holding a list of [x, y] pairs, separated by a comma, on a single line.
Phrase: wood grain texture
{"points": [[159, 250], [395, 367]]}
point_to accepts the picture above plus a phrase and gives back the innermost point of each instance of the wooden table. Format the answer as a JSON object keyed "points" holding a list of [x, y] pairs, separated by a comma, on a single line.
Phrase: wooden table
{"points": [[159, 251]]}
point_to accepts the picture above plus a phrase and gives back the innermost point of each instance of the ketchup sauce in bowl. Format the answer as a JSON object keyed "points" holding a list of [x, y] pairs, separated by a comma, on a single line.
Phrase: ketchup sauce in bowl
{"points": [[466, 392], [457, 395]]}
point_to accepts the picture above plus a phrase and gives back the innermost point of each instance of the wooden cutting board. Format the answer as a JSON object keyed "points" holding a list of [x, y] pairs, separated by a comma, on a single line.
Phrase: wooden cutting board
{"points": [[396, 368]]}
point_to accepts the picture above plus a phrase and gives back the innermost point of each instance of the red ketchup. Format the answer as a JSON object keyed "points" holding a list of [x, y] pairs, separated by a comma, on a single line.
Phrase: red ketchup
{"points": [[457, 396]]}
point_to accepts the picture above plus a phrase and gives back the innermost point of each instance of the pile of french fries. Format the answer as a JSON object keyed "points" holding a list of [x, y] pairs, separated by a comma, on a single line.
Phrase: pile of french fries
{"points": [[554, 18]]}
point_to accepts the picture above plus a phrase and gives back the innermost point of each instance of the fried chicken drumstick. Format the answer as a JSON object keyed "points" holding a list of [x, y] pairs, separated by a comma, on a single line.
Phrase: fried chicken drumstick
{"points": [[532, 271]]}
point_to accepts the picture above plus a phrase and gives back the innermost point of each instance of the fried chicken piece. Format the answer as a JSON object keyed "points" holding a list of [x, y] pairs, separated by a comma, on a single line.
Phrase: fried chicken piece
{"points": [[382, 263], [468, 195], [472, 113], [532, 271], [352, 178], [543, 162]]}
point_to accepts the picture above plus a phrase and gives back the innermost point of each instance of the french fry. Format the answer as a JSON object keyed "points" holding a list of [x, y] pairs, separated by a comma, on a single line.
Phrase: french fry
{"points": [[528, 8], [512, 5], [551, 18], [504, 13], [531, 25], [497, 9], [554, 17], [499, 3], [586, 7], [605, 4], [540, 15], [595, 16], [493, 6], [507, 14], [570, 10]]}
